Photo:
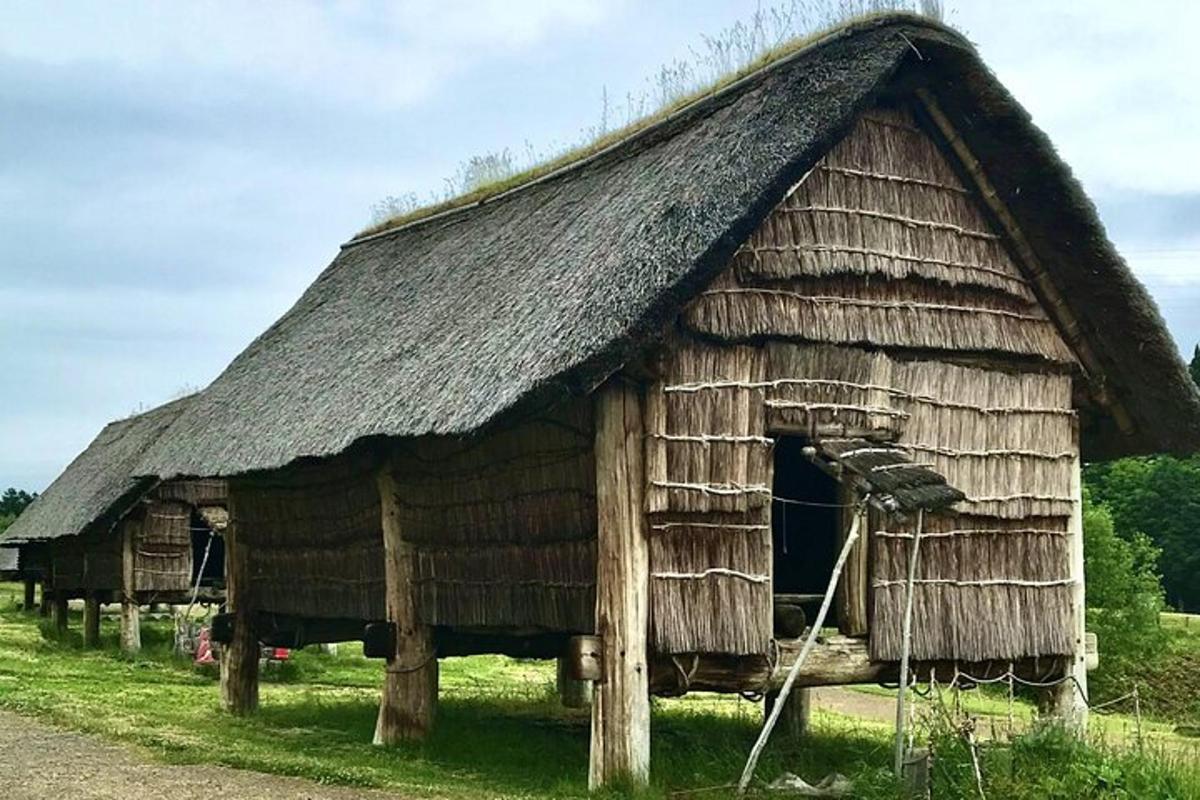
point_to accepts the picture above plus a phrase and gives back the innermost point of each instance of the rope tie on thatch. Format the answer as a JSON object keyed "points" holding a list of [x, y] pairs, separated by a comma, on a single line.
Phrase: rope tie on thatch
{"points": [[1004, 498], [711, 438], [883, 584], [722, 526], [793, 405], [721, 489], [951, 452], [839, 249], [883, 176], [973, 532], [892, 304], [710, 572], [903, 465], [911, 222]]}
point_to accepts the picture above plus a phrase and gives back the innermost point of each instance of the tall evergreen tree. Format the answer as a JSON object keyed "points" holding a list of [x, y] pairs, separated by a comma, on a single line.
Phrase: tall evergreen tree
{"points": [[1195, 367]]}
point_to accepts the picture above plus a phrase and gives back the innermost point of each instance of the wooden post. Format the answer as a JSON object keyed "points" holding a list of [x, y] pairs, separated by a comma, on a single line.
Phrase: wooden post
{"points": [[131, 624], [1068, 700], [91, 620], [620, 749], [30, 588], [410, 686], [796, 713], [572, 692], [60, 609], [47, 599], [853, 591], [239, 658]]}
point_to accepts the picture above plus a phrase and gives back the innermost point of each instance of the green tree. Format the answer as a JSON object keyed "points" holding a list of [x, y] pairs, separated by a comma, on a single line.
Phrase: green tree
{"points": [[1124, 598], [14, 501], [1194, 368]]}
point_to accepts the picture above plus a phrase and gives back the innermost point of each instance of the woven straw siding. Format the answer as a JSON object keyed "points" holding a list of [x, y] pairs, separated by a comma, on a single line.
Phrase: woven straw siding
{"points": [[696, 610], [976, 622], [505, 524], [196, 491], [163, 548], [314, 539], [704, 448]]}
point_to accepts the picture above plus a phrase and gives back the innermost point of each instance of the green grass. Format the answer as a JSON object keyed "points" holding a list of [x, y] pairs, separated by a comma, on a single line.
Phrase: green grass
{"points": [[500, 731]]}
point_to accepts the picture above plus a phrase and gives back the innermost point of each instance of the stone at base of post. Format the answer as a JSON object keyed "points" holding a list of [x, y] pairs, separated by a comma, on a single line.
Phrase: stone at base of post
{"points": [[797, 712], [239, 670], [572, 693], [30, 589], [60, 610], [47, 600], [131, 626], [91, 621]]}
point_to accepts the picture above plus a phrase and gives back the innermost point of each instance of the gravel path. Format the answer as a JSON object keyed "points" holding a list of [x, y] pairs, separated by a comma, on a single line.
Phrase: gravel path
{"points": [[41, 762]]}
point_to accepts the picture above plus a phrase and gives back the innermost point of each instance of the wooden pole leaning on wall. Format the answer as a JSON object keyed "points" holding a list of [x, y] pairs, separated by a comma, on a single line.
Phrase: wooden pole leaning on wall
{"points": [[410, 685], [91, 620], [239, 658], [620, 748], [131, 623], [1068, 700]]}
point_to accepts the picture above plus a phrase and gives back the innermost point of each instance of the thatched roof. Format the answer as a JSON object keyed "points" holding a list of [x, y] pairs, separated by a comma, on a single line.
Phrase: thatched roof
{"points": [[447, 324], [99, 486]]}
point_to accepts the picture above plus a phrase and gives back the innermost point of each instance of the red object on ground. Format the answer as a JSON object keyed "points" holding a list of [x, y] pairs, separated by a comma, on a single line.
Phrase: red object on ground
{"points": [[281, 654], [204, 653]]}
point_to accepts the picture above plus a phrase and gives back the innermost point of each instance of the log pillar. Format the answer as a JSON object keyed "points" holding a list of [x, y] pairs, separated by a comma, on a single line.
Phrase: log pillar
{"points": [[30, 589], [239, 658], [131, 623], [47, 599], [91, 620], [1068, 700], [620, 748], [60, 610], [572, 692], [410, 685], [797, 712]]}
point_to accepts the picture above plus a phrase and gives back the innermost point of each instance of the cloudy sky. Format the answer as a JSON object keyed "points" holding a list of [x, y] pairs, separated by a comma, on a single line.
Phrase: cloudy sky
{"points": [[173, 175]]}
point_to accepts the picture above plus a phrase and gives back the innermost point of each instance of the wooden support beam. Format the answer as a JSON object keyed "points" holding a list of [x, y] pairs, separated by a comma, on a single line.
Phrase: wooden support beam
{"points": [[91, 620], [853, 590], [1068, 700], [620, 748], [410, 686], [59, 616], [131, 624], [796, 714], [47, 599], [572, 692], [30, 590], [239, 658]]}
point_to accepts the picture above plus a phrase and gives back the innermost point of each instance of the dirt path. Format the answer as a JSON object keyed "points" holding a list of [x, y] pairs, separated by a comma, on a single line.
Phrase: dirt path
{"points": [[39, 762]]}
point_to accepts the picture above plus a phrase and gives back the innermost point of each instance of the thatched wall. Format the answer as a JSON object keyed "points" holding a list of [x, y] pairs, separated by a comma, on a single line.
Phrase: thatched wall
{"points": [[78, 564], [313, 538], [505, 524], [844, 316], [163, 547]]}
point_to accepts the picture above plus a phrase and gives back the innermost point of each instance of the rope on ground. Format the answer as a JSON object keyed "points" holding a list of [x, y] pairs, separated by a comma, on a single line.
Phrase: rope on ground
{"points": [[809, 643]]}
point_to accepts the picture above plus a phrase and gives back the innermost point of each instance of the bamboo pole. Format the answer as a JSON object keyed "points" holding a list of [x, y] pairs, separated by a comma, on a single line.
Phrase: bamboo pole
{"points": [[131, 626], [239, 658], [410, 687], [620, 747]]}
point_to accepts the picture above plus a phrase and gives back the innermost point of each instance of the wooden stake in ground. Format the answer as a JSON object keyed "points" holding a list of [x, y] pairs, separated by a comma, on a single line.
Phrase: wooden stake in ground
{"points": [[620, 749], [410, 686], [91, 620], [239, 658], [131, 624]]}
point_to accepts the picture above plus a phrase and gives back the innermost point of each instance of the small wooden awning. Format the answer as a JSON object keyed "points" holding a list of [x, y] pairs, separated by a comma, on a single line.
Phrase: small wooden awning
{"points": [[888, 472]]}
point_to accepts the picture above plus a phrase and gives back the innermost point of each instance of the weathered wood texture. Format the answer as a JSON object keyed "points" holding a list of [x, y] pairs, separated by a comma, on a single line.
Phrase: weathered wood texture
{"points": [[131, 627], [572, 693], [239, 658], [620, 747], [409, 702], [853, 598], [796, 714], [91, 620]]}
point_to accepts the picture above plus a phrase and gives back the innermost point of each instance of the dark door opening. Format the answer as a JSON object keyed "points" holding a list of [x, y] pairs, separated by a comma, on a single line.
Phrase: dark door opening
{"points": [[805, 529], [214, 569]]}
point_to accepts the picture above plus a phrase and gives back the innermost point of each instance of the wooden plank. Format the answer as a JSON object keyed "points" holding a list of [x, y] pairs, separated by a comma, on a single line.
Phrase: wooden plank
{"points": [[91, 620], [620, 747], [239, 658], [131, 627], [410, 687]]}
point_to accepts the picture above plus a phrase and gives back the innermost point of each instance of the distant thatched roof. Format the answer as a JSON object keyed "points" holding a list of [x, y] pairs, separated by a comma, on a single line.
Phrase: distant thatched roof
{"points": [[444, 325], [99, 486]]}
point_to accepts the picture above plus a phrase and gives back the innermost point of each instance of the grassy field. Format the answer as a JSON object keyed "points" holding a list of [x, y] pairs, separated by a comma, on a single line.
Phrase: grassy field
{"points": [[500, 732]]}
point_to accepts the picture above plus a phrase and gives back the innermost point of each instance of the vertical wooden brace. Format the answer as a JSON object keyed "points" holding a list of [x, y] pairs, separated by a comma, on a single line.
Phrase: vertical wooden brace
{"points": [[620, 747]]}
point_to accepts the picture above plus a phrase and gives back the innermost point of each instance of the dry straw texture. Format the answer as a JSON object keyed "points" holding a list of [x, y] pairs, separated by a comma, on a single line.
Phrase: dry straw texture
{"points": [[163, 547]]}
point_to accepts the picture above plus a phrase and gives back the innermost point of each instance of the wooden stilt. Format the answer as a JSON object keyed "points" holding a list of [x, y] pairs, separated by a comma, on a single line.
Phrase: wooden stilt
{"points": [[410, 685], [131, 624], [572, 692], [620, 749], [91, 620], [30, 589], [239, 658], [1068, 700], [796, 712], [59, 615], [47, 600]]}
